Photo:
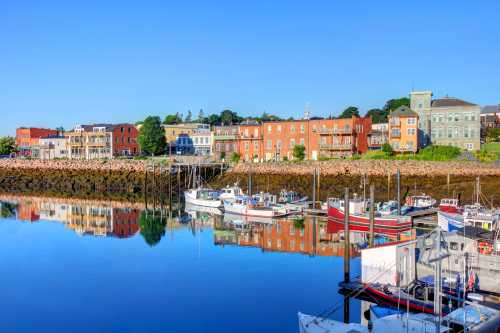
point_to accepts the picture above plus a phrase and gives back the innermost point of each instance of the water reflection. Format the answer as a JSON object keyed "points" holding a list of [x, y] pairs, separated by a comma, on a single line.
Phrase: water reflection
{"points": [[311, 236]]}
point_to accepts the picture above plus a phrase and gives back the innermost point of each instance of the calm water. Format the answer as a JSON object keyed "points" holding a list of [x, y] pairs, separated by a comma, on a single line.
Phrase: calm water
{"points": [[81, 266]]}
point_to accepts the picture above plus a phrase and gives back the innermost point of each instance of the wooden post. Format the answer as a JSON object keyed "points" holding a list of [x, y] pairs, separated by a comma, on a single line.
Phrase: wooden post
{"points": [[249, 185], [314, 190], [398, 185], [154, 184], [179, 168], [347, 245], [169, 187], [448, 183], [372, 212], [318, 188], [146, 186]]}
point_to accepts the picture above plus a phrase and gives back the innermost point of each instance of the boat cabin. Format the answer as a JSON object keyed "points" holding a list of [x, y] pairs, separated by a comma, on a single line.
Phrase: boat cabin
{"points": [[357, 206]]}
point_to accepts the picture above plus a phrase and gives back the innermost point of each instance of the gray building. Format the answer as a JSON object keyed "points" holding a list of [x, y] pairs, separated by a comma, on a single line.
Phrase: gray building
{"points": [[446, 121]]}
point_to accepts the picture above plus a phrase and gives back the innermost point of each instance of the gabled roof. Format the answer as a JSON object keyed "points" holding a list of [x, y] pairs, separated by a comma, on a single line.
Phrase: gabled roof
{"points": [[403, 111], [490, 109], [450, 101]]}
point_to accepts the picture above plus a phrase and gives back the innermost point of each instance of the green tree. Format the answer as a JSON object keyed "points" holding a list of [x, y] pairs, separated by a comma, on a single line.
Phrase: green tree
{"points": [[349, 112], [235, 157], [395, 103], [173, 119], [152, 136], [387, 149], [152, 227], [188, 117], [229, 117], [299, 152], [378, 115], [214, 119], [493, 134], [222, 155], [201, 116], [7, 145], [7, 209]]}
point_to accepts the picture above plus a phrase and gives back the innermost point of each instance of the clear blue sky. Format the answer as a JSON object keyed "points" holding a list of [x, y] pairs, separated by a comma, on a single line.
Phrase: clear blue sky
{"points": [[68, 62]]}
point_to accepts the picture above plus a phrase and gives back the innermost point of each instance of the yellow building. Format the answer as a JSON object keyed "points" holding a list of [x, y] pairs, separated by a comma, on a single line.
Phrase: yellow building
{"points": [[172, 132], [403, 130]]}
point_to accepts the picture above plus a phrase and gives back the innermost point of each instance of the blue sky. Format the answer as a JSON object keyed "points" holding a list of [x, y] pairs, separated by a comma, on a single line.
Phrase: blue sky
{"points": [[67, 62]]}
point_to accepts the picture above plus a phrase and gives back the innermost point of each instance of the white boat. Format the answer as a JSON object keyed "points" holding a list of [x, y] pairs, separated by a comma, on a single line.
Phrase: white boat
{"points": [[418, 202], [450, 222], [244, 205], [471, 317], [396, 323], [478, 216], [230, 192], [203, 197], [190, 208]]}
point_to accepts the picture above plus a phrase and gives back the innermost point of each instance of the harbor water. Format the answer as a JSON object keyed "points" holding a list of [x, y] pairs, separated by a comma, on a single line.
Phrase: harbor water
{"points": [[72, 265]]}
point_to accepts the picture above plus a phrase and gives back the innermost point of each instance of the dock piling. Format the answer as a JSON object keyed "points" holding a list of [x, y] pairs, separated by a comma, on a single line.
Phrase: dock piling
{"points": [[347, 246], [372, 212]]}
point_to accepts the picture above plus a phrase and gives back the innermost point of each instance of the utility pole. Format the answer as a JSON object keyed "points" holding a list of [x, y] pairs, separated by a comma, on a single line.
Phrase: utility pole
{"points": [[372, 213], [347, 245]]}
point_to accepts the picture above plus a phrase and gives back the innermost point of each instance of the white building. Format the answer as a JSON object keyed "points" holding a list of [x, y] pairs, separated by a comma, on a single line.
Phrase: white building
{"points": [[202, 141], [53, 147]]}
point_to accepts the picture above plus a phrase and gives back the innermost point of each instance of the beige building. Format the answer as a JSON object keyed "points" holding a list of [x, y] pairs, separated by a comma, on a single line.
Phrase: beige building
{"points": [[446, 121], [51, 147]]}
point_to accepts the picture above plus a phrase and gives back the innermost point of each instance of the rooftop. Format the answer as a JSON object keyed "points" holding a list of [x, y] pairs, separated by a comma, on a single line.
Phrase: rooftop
{"points": [[490, 109], [450, 101], [403, 111]]}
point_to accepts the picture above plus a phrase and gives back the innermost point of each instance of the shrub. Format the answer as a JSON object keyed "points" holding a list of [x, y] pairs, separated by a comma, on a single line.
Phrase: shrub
{"points": [[438, 153], [235, 157], [299, 152], [285, 158], [375, 155], [387, 149]]}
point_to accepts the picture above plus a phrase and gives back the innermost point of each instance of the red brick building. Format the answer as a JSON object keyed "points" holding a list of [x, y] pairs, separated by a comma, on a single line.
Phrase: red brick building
{"points": [[28, 138], [275, 140]]}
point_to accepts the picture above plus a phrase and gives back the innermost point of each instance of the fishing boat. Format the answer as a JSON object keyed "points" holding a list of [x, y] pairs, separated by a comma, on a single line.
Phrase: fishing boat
{"points": [[249, 206], [230, 192], [203, 197], [359, 219], [418, 202], [450, 221], [479, 216], [450, 206], [291, 197]]}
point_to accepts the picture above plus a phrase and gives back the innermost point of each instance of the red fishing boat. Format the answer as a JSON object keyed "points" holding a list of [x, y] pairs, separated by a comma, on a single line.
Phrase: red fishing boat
{"points": [[359, 219], [450, 206]]}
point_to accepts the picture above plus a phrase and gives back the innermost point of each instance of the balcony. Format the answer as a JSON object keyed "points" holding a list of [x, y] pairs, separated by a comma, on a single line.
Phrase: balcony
{"points": [[251, 137], [224, 137], [335, 146], [335, 131]]}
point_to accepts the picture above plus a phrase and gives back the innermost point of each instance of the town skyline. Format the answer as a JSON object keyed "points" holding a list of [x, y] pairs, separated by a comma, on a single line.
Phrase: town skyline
{"points": [[94, 62]]}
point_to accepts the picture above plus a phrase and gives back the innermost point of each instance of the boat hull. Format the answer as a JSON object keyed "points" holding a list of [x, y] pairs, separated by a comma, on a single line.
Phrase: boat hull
{"points": [[385, 225], [201, 202]]}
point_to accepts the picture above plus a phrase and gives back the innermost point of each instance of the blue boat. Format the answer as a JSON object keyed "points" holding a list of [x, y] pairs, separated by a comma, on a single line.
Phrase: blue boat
{"points": [[450, 222]]}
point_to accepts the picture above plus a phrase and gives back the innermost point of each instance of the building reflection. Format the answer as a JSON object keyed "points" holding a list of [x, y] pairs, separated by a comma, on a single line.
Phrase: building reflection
{"points": [[309, 236], [83, 217]]}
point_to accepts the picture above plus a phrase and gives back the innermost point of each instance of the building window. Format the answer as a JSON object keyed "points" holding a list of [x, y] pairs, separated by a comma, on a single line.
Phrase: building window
{"points": [[433, 134], [457, 116], [247, 146], [473, 116], [450, 117], [279, 128], [302, 141], [469, 146], [256, 146], [256, 132], [292, 143], [269, 144], [412, 121], [278, 144], [411, 131], [292, 128], [457, 129], [269, 129], [450, 132], [302, 128]]}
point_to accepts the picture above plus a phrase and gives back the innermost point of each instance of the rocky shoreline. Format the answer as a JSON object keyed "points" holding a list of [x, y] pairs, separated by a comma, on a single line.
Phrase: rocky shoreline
{"points": [[372, 168]]}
